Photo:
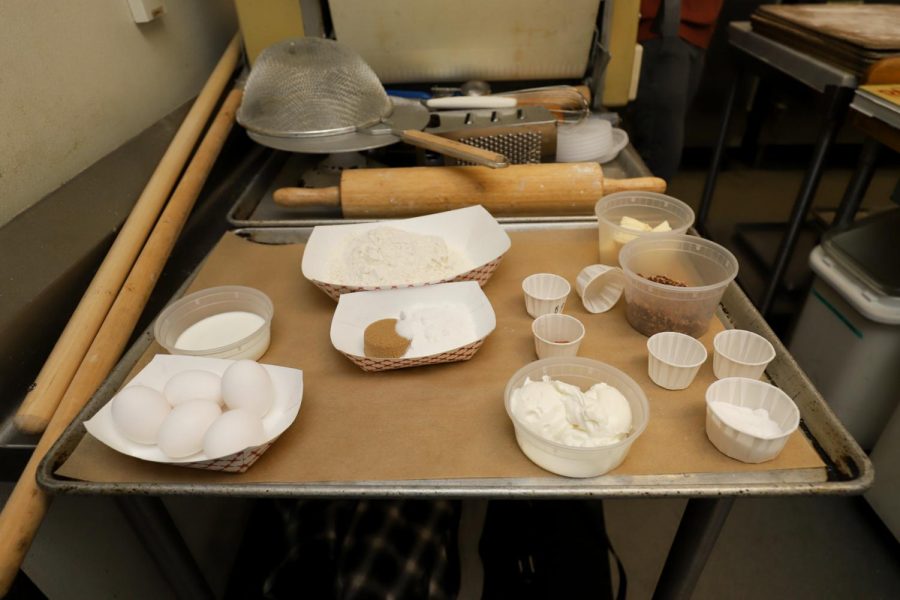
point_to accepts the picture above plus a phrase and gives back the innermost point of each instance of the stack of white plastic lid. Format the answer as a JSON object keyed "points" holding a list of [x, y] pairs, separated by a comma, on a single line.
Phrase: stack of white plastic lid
{"points": [[592, 139]]}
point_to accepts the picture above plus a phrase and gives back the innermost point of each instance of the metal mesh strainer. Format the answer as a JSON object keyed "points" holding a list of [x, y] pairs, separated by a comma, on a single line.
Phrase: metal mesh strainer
{"points": [[308, 87], [314, 95]]}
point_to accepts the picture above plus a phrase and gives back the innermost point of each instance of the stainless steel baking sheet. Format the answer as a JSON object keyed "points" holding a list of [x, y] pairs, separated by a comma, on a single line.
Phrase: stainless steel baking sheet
{"points": [[849, 470]]}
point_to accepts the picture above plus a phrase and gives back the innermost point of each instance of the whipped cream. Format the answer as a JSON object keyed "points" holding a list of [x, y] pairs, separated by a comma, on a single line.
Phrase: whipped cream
{"points": [[389, 256], [563, 413], [752, 421], [435, 328]]}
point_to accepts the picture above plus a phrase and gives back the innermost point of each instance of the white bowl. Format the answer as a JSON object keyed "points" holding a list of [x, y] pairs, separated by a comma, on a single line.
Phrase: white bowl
{"points": [[674, 359], [740, 353], [358, 310], [557, 335], [600, 287], [545, 294], [471, 232], [739, 440], [574, 461], [618, 143]]}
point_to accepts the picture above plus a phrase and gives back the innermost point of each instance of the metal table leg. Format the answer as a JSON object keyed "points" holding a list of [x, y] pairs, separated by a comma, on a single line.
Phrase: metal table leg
{"points": [[837, 99], [756, 118], [858, 185], [709, 186], [154, 526], [700, 525]]}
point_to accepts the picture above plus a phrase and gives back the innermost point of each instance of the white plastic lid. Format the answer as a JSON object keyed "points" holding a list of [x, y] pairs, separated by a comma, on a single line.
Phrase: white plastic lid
{"points": [[870, 303]]}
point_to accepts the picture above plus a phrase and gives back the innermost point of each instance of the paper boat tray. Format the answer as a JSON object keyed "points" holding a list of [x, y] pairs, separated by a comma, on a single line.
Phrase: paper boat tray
{"points": [[288, 394], [471, 231], [356, 311]]}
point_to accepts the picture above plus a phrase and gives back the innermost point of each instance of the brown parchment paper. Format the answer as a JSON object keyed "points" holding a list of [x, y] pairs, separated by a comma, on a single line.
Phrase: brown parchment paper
{"points": [[436, 422]]}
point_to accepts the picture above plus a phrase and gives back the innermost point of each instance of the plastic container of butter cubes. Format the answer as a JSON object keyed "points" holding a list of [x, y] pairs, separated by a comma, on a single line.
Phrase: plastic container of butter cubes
{"points": [[650, 208], [573, 461]]}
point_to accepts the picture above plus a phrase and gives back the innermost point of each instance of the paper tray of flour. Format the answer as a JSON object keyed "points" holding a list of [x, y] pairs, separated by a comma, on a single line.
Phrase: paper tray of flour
{"points": [[288, 392], [465, 244], [450, 322]]}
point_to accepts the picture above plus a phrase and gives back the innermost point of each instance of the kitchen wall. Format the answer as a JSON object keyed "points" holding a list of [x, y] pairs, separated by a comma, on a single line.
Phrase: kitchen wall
{"points": [[79, 78]]}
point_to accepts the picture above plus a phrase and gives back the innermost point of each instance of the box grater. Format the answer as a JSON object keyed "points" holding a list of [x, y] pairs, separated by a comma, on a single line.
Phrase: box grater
{"points": [[524, 134]]}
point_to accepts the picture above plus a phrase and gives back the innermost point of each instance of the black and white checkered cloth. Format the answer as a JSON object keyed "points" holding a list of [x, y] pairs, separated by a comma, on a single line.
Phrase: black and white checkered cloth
{"points": [[378, 549]]}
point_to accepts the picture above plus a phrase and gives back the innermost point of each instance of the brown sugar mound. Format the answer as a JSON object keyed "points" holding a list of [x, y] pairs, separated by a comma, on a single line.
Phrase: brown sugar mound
{"points": [[381, 340]]}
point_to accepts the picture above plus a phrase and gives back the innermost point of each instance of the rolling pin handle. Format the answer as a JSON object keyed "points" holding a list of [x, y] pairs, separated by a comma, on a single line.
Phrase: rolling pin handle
{"points": [[642, 184], [296, 197]]}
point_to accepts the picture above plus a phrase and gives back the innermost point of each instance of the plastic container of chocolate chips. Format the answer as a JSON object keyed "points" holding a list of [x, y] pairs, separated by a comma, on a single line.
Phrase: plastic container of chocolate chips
{"points": [[703, 267]]}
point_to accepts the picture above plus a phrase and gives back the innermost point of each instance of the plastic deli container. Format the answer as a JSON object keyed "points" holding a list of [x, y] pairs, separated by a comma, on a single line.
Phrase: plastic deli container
{"points": [[704, 267], [229, 321], [648, 207], [573, 461]]}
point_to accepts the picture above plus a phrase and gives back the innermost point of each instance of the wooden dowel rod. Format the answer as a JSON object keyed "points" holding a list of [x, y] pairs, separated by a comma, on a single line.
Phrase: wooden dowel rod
{"points": [[28, 504], [54, 377]]}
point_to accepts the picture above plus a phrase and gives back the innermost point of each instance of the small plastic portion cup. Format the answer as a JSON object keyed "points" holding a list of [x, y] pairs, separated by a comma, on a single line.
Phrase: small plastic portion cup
{"points": [[736, 440], [674, 359], [706, 268], [600, 287], [739, 353], [650, 208], [574, 461], [557, 335], [545, 294], [228, 305]]}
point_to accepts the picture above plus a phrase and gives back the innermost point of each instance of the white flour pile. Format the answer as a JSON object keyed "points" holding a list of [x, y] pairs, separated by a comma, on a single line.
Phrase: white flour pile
{"points": [[389, 256]]}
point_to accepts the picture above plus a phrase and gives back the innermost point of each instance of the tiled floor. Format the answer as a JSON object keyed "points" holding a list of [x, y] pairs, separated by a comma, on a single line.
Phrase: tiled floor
{"points": [[797, 547]]}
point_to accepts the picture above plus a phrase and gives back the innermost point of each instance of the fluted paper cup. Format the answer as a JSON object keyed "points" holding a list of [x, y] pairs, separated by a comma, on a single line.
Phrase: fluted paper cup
{"points": [[740, 353], [732, 438], [545, 294], [600, 287], [557, 335], [674, 359]]}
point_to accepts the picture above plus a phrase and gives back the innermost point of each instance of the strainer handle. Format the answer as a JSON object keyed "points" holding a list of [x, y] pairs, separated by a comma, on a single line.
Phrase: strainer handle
{"points": [[453, 148]]}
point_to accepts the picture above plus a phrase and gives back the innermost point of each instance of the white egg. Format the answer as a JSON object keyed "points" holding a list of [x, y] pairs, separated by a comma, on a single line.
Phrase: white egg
{"points": [[234, 431], [181, 434], [138, 412], [193, 385], [246, 384]]}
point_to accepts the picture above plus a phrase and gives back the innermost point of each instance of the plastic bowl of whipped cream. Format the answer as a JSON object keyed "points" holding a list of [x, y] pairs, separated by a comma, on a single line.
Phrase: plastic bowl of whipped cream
{"points": [[574, 416]]}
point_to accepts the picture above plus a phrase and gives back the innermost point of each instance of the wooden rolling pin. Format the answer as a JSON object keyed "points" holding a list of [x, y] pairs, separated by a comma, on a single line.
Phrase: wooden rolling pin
{"points": [[25, 508], [57, 372], [542, 189]]}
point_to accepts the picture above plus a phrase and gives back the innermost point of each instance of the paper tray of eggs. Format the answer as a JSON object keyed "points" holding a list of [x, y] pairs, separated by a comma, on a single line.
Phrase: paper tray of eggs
{"points": [[410, 327], [465, 244], [204, 413]]}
